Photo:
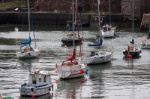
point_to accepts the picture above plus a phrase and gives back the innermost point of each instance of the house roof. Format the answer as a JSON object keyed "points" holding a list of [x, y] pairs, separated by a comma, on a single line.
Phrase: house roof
{"points": [[145, 20]]}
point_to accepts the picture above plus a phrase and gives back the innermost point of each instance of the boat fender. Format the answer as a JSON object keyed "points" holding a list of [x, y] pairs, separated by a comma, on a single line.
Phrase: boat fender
{"points": [[86, 72], [32, 89], [140, 51], [49, 88]]}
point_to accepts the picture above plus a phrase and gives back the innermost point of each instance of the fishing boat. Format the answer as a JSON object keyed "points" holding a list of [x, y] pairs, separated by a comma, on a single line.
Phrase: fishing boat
{"points": [[132, 50], [71, 67], [26, 50], [108, 31], [39, 84], [73, 37], [98, 56]]}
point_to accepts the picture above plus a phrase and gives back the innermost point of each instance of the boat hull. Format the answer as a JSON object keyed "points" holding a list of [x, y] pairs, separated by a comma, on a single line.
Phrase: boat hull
{"points": [[145, 46], [98, 59], [134, 54], [31, 90], [69, 41], [108, 34], [68, 72], [28, 55]]}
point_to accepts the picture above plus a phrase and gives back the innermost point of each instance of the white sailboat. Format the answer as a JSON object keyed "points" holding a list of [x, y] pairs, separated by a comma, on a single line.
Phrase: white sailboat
{"points": [[132, 50], [145, 43], [39, 84], [100, 56], [26, 50], [71, 67], [108, 31]]}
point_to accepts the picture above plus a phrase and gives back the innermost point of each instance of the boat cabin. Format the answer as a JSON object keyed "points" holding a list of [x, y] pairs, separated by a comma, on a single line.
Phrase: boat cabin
{"points": [[106, 28], [39, 78], [25, 49]]}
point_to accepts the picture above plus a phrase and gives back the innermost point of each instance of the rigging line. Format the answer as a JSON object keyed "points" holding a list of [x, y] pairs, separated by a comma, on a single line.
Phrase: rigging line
{"points": [[29, 17], [109, 12], [33, 29], [133, 7], [99, 17]]}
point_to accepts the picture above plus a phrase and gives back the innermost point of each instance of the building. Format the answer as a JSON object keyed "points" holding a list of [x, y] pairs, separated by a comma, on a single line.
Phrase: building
{"points": [[140, 7]]}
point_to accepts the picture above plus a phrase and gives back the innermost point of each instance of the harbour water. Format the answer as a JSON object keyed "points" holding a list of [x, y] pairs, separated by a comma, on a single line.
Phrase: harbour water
{"points": [[119, 79]]}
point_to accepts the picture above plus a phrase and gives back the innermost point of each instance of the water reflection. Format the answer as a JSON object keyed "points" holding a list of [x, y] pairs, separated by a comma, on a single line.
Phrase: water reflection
{"points": [[47, 96], [96, 74], [70, 89], [120, 79]]}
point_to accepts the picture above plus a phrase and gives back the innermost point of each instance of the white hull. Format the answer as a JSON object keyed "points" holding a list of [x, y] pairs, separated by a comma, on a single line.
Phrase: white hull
{"points": [[36, 90], [145, 46], [108, 33], [30, 54], [101, 57], [74, 71]]}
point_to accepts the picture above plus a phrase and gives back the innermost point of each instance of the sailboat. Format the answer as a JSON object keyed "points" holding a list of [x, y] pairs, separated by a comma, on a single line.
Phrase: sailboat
{"points": [[26, 50], [108, 31], [72, 37], [99, 40], [132, 50], [145, 44], [71, 67], [100, 56]]}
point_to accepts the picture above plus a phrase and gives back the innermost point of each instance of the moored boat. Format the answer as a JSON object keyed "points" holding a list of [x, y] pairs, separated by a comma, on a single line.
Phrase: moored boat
{"points": [[70, 38], [39, 84], [71, 68], [108, 31], [98, 57], [132, 51], [26, 51]]}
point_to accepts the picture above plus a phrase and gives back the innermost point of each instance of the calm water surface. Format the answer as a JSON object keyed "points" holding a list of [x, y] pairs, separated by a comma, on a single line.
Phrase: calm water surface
{"points": [[120, 79]]}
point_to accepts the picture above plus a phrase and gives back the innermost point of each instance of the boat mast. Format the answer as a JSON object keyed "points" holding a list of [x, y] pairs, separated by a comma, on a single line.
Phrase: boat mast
{"points": [[28, 1], [73, 19], [109, 12], [99, 16], [74, 24], [133, 6]]}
